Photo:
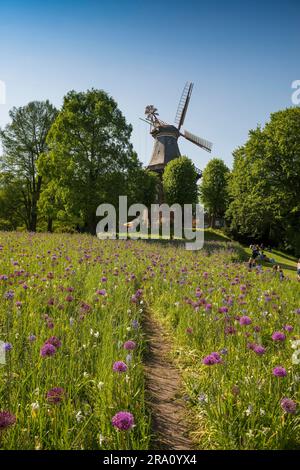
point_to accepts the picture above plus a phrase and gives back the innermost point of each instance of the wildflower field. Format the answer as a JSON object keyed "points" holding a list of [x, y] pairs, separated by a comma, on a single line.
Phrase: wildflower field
{"points": [[73, 343]]}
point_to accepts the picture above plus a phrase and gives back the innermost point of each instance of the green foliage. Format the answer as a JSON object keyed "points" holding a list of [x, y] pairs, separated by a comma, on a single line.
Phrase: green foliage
{"points": [[24, 141], [265, 182], [180, 182], [91, 159], [214, 188]]}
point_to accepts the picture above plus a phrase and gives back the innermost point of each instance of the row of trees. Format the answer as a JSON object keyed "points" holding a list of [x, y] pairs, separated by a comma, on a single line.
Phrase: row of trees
{"points": [[260, 198], [58, 166]]}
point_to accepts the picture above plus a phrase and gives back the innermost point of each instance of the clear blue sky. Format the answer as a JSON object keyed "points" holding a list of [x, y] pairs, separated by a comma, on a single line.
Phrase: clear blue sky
{"points": [[241, 55]]}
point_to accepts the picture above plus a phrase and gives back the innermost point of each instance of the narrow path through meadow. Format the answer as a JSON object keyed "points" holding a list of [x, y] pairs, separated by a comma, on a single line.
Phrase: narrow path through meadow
{"points": [[163, 387]]}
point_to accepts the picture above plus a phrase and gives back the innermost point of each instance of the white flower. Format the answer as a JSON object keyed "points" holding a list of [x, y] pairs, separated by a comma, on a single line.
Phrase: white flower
{"points": [[250, 433], [91, 331], [129, 311], [295, 344], [262, 412], [35, 406], [85, 374], [79, 416], [96, 334], [296, 357], [100, 385], [101, 439], [249, 410]]}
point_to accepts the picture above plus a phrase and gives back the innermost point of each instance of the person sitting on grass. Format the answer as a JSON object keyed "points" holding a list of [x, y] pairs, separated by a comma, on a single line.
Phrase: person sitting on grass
{"points": [[281, 275], [275, 268], [298, 270], [254, 255]]}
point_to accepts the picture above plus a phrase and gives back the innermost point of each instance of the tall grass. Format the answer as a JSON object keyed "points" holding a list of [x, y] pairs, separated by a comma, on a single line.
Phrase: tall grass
{"points": [[83, 292]]}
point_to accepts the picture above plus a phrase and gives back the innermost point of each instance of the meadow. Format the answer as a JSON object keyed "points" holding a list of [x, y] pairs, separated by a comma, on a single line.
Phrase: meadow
{"points": [[71, 320]]}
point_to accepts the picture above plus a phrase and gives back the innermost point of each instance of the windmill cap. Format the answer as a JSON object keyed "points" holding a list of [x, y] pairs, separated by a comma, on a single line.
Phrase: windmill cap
{"points": [[165, 129]]}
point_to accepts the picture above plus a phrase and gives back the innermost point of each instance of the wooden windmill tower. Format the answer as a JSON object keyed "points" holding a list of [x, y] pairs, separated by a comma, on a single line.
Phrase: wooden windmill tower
{"points": [[166, 135]]}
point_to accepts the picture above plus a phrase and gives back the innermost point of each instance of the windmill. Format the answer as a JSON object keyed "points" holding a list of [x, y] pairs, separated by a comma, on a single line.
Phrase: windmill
{"points": [[166, 135]]}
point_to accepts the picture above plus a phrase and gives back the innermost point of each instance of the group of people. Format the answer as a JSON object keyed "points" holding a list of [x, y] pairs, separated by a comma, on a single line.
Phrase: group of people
{"points": [[257, 253]]}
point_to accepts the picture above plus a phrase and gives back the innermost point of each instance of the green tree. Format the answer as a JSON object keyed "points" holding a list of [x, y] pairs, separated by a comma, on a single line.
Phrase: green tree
{"points": [[14, 205], [180, 182], [91, 159], [24, 141], [265, 182], [214, 189]]}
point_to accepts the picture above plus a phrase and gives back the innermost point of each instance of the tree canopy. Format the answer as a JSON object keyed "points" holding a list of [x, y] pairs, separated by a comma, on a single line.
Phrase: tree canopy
{"points": [[265, 182], [91, 159], [23, 142], [180, 182], [214, 189]]}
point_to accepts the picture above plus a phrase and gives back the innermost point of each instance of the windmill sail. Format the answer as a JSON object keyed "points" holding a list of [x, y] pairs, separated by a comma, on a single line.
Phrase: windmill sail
{"points": [[183, 104], [205, 144]]}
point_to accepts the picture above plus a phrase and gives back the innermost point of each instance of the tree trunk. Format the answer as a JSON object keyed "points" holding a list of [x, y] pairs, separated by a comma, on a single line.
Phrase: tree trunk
{"points": [[50, 225]]}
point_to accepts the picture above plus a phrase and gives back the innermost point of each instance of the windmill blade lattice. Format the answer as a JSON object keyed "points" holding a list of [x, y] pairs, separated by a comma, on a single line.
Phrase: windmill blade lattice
{"points": [[183, 104], [205, 144]]}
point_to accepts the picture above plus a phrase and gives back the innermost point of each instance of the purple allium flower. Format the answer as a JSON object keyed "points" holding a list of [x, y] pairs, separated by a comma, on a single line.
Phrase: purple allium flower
{"points": [[259, 350], [208, 306], [123, 420], [50, 325], [129, 345], [224, 351], [32, 338], [9, 295], [278, 336], [230, 330], [288, 405], [47, 350], [119, 366], [54, 341], [55, 395], [103, 279], [7, 419], [288, 328], [223, 309], [245, 320], [19, 304], [297, 311], [7, 347], [101, 292], [135, 324], [69, 298], [279, 371], [189, 330], [211, 359]]}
